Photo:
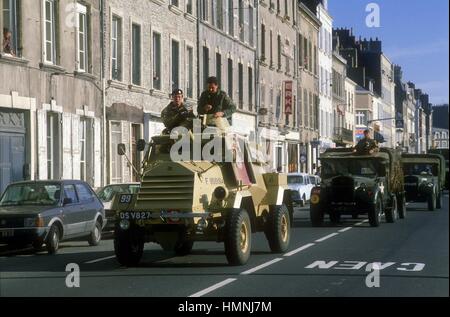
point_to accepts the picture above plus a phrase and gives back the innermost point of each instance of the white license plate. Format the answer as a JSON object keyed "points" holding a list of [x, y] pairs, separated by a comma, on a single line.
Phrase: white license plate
{"points": [[6, 233]]}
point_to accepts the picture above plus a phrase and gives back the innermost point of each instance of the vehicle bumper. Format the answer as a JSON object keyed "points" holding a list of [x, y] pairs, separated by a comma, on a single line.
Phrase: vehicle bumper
{"points": [[22, 235]]}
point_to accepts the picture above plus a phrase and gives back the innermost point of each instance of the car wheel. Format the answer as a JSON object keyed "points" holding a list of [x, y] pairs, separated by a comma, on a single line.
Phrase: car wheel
{"points": [[184, 248], [316, 215], [96, 235], [401, 206], [128, 247], [238, 239], [52, 243], [391, 212], [375, 213], [278, 229], [432, 201]]}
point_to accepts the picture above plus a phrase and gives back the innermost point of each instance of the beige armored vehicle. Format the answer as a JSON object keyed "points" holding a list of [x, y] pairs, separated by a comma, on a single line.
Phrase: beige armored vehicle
{"points": [[198, 199]]}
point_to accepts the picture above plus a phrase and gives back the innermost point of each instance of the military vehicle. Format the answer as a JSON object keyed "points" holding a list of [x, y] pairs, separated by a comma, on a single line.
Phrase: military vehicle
{"points": [[424, 178], [180, 202], [354, 184], [445, 154]]}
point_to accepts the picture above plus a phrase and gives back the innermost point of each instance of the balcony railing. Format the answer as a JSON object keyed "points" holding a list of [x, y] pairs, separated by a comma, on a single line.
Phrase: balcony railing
{"points": [[343, 136]]}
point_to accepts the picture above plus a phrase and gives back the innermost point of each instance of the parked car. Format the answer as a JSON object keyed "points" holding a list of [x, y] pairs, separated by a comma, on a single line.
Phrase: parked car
{"points": [[300, 186], [48, 212], [106, 195], [315, 180]]}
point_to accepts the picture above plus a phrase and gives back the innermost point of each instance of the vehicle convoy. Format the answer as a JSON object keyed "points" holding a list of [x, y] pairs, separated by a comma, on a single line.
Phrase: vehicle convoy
{"points": [[223, 200], [48, 212], [424, 178], [354, 183]]}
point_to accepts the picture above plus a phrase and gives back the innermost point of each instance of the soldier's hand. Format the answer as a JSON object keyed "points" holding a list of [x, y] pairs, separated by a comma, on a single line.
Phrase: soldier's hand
{"points": [[184, 113], [208, 107], [218, 115]]}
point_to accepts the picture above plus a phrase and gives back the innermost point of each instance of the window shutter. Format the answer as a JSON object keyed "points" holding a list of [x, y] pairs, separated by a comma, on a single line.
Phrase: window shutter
{"points": [[42, 143], [97, 153], [75, 147], [126, 140], [67, 145]]}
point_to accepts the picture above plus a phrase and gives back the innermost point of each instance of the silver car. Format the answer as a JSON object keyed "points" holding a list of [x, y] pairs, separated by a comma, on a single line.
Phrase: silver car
{"points": [[47, 212]]}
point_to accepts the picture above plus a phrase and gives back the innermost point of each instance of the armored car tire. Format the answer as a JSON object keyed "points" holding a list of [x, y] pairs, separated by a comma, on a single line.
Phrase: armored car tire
{"points": [[316, 214], [375, 213], [432, 201], [238, 237], [401, 206], [128, 247], [184, 248], [278, 229], [391, 213]]}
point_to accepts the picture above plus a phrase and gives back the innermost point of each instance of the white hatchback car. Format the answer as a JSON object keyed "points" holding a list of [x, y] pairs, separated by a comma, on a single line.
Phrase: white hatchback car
{"points": [[300, 186]]}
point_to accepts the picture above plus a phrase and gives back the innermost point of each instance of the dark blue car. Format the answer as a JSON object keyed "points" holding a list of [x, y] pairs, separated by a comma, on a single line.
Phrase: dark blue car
{"points": [[47, 212]]}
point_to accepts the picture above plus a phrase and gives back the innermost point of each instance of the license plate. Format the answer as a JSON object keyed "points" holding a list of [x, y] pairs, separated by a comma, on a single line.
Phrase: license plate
{"points": [[6, 233]]}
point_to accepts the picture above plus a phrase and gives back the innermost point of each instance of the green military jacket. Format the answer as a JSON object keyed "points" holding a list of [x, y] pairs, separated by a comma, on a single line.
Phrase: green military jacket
{"points": [[173, 116], [365, 145], [219, 101]]}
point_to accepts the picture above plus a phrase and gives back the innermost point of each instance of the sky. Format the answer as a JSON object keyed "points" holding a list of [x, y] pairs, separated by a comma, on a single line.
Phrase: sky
{"points": [[415, 35]]}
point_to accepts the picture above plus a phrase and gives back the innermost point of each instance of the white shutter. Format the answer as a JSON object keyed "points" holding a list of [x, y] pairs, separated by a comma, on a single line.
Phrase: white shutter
{"points": [[42, 143], [97, 153], [67, 146], [75, 147], [126, 140]]}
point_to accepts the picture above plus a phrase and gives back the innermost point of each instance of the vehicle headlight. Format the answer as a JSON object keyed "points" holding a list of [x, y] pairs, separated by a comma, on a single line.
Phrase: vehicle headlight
{"points": [[220, 193], [124, 224], [33, 222]]}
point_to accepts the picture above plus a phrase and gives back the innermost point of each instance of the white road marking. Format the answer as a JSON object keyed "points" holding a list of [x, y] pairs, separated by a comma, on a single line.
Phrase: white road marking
{"points": [[214, 287], [345, 229], [327, 237], [101, 259], [259, 267], [299, 249], [361, 223]]}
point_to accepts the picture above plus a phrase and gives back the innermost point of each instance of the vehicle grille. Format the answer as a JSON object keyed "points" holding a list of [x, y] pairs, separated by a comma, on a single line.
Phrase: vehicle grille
{"points": [[411, 186], [342, 189], [11, 222], [166, 191]]}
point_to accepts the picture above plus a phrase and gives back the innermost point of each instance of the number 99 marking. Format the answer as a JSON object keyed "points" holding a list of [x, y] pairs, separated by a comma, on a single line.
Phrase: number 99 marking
{"points": [[125, 199]]}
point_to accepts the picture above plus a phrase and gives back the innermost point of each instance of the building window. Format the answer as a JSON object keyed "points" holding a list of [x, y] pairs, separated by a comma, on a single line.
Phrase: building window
{"points": [[219, 68], [157, 61], [11, 23], [251, 25], [190, 72], [82, 136], [189, 8], [271, 48], [175, 3], [205, 64], [250, 89], [315, 60], [305, 108], [175, 62], [241, 85], [135, 156], [50, 31], [136, 54], [219, 14], [305, 53], [116, 160], [82, 38], [53, 145], [263, 42], [230, 17], [300, 109], [241, 21], [205, 10], [230, 77], [279, 52], [116, 48]]}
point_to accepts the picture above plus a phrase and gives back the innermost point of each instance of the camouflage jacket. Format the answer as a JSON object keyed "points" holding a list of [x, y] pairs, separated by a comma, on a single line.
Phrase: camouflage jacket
{"points": [[173, 116], [219, 101]]}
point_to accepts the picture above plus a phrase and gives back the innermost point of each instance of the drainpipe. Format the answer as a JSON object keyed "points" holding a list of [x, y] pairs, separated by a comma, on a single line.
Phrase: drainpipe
{"points": [[198, 50], [102, 78], [257, 76]]}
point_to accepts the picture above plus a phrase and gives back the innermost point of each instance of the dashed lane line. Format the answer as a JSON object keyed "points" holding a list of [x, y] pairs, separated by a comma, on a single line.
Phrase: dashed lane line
{"points": [[259, 267], [327, 237], [306, 246], [101, 259], [345, 229], [214, 287]]}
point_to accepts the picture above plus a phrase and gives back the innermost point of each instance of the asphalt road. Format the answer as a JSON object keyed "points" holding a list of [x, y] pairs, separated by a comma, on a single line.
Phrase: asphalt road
{"points": [[335, 260]]}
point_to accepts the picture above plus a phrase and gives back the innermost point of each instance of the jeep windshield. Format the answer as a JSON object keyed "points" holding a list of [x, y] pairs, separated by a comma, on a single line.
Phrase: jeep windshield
{"points": [[295, 179], [44, 194], [349, 167], [420, 169]]}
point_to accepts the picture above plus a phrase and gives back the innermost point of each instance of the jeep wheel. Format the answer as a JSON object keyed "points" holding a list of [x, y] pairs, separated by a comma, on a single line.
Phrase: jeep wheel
{"points": [[278, 229], [432, 201], [96, 235], [316, 215], [238, 237], [439, 201], [375, 214], [401, 206], [391, 213], [184, 248], [52, 243], [128, 247]]}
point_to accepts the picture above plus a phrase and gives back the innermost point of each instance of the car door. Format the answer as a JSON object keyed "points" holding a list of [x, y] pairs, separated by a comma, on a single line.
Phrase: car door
{"points": [[308, 187], [73, 212], [89, 205]]}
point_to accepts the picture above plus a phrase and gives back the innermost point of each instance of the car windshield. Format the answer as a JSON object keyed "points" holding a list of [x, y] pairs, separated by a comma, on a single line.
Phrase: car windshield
{"points": [[352, 167], [46, 194], [295, 179], [420, 169], [107, 193], [312, 179]]}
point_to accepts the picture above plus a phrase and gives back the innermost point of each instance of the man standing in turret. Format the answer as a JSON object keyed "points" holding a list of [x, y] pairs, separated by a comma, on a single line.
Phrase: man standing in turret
{"points": [[176, 114]]}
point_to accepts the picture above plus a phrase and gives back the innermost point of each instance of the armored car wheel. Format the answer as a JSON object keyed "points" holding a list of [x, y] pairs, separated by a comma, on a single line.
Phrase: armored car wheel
{"points": [[238, 237], [278, 229], [128, 247], [184, 248], [401, 206], [375, 213], [391, 213], [432, 201]]}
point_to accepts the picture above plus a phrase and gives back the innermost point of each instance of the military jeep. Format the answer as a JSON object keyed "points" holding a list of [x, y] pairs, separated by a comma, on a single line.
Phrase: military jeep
{"points": [[424, 178], [183, 201], [354, 184]]}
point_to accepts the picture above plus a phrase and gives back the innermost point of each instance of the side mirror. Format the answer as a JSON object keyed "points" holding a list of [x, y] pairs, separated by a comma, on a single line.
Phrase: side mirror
{"points": [[67, 201], [121, 149], [140, 145]]}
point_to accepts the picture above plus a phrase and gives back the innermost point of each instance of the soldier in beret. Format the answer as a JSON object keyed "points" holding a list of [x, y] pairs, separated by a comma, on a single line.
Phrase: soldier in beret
{"points": [[176, 114]]}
